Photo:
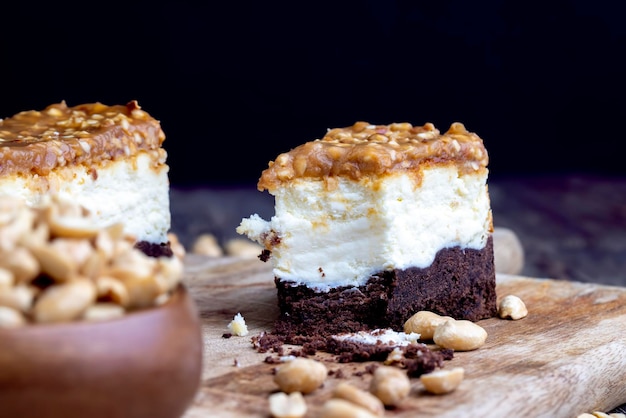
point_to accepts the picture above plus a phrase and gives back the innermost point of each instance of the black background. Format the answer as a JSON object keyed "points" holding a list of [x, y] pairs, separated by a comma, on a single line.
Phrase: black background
{"points": [[236, 83]]}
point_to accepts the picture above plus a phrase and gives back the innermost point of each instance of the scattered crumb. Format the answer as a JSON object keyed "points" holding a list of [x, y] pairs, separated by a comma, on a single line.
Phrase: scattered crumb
{"points": [[227, 335], [238, 326]]}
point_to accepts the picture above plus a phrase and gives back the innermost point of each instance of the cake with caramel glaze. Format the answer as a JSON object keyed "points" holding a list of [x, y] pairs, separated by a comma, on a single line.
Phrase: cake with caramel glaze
{"points": [[108, 159], [373, 223]]}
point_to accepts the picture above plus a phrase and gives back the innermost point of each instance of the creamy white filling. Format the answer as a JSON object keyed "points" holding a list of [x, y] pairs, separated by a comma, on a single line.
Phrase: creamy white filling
{"points": [[327, 238], [385, 336], [131, 191]]}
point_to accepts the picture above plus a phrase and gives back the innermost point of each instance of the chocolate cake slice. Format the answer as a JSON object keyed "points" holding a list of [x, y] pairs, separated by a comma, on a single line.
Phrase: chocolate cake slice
{"points": [[376, 222]]}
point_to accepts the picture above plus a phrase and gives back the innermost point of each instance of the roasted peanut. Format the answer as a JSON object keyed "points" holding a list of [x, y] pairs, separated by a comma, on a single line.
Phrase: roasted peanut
{"points": [[461, 335], [442, 381], [19, 297], [21, 262], [300, 375], [424, 324], [340, 408], [242, 248], [7, 278], [64, 302], [206, 244], [390, 384], [284, 405], [11, 318], [359, 397], [512, 307]]}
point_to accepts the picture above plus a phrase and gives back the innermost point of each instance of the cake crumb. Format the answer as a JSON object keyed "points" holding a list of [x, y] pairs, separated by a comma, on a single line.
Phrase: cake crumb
{"points": [[238, 326]]}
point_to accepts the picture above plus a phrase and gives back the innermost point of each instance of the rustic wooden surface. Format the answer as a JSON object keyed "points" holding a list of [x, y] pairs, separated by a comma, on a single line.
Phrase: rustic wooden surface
{"points": [[567, 357]]}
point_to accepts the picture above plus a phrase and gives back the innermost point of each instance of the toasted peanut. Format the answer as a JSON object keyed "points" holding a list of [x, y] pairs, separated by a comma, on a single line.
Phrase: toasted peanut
{"points": [[178, 249], [461, 335], [206, 244], [284, 405], [142, 291], [242, 248], [11, 318], [18, 297], [22, 263], [7, 278], [20, 225], [512, 307], [424, 324], [300, 375], [362, 398], [440, 382], [390, 384], [72, 226], [64, 302], [340, 408], [55, 262], [112, 289], [168, 270]]}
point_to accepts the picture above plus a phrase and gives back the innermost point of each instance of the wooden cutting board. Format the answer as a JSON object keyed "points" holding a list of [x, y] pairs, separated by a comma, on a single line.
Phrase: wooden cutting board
{"points": [[568, 356]]}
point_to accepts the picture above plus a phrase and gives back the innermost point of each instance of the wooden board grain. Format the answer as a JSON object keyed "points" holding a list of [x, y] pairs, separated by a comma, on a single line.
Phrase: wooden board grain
{"points": [[568, 356]]}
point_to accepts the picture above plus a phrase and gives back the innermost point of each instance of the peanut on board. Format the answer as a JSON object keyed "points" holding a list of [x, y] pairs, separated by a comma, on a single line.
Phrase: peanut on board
{"points": [[424, 324], [460, 335], [300, 375], [444, 381], [390, 384], [284, 405], [340, 408], [512, 307], [359, 397]]}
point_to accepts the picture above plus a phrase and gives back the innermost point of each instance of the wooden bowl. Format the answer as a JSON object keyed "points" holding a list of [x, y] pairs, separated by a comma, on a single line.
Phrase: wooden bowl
{"points": [[146, 364]]}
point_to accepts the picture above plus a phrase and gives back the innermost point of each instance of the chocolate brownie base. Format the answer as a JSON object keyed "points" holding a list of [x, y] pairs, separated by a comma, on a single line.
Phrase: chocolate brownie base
{"points": [[155, 250], [460, 283]]}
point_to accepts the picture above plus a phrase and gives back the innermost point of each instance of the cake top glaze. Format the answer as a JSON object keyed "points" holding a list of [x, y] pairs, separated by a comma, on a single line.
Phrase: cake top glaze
{"points": [[36, 142], [366, 150]]}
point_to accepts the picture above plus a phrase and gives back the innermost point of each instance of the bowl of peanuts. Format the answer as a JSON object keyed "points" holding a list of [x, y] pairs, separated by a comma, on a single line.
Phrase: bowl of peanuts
{"points": [[90, 326]]}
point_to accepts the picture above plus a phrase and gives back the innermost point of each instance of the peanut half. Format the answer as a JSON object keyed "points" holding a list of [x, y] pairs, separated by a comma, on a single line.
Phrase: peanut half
{"points": [[460, 335], [440, 382], [512, 307]]}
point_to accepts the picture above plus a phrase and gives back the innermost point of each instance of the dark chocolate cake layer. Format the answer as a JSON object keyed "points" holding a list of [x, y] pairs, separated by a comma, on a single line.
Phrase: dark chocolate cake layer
{"points": [[155, 250], [459, 283]]}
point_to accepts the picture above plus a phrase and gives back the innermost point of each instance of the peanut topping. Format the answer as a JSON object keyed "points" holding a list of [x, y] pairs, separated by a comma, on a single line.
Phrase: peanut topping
{"points": [[39, 141], [363, 150]]}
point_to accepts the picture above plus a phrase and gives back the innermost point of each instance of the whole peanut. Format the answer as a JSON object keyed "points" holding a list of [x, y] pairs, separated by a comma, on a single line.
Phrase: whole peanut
{"points": [[300, 375], [390, 384]]}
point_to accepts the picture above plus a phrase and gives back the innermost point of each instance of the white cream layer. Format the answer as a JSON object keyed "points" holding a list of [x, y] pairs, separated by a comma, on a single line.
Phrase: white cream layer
{"points": [[341, 237], [384, 336], [132, 191]]}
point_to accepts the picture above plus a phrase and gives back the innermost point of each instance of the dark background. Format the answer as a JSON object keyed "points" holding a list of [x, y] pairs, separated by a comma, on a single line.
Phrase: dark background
{"points": [[236, 83]]}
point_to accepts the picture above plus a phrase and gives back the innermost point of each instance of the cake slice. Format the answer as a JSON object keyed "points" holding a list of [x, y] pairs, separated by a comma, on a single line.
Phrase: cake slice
{"points": [[108, 159], [376, 222]]}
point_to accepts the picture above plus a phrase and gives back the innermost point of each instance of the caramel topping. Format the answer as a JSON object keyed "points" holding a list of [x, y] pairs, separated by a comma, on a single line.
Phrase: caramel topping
{"points": [[363, 150], [36, 142]]}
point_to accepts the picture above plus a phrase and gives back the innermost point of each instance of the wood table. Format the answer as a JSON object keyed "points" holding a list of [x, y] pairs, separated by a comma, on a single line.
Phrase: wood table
{"points": [[568, 356]]}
